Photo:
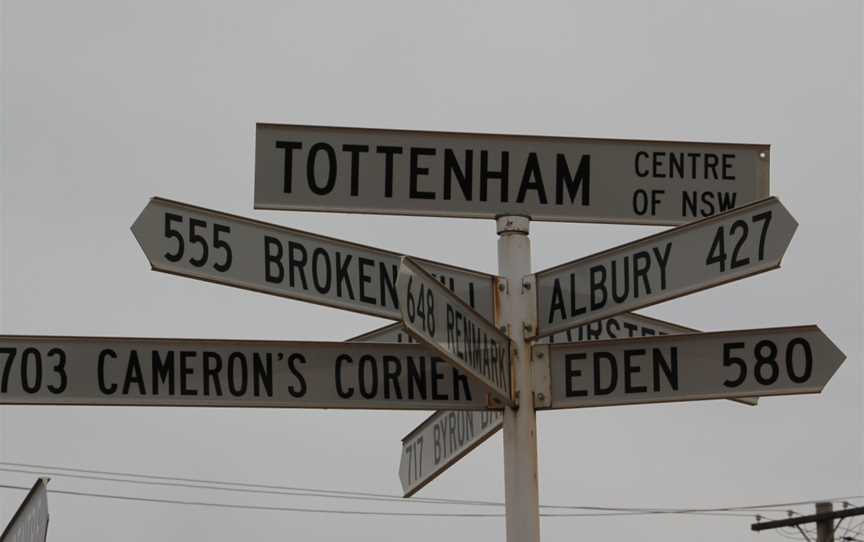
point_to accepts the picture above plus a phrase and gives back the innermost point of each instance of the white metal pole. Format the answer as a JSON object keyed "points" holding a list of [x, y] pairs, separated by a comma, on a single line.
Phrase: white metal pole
{"points": [[517, 311]]}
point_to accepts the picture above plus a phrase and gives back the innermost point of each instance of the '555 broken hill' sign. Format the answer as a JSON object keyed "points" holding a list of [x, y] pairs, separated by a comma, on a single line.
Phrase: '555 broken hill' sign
{"points": [[311, 168]]}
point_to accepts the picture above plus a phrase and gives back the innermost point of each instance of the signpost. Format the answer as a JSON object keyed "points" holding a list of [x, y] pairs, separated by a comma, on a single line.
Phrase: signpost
{"points": [[664, 266], [468, 341], [30, 522], [191, 372], [774, 361], [227, 249], [315, 168], [486, 352]]}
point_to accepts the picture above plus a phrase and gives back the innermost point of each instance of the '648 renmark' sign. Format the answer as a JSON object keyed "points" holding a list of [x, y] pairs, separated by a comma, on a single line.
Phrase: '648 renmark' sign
{"points": [[314, 168]]}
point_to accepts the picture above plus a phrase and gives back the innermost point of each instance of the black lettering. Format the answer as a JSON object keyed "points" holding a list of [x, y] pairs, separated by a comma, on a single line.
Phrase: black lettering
{"points": [[727, 200], [437, 375], [235, 359], [392, 371], [297, 258], [461, 379], [657, 163], [557, 303], [598, 287], [599, 388], [463, 176], [417, 377], [570, 373], [727, 165], [355, 151], [688, 203], [630, 370], [624, 266], [262, 374], [670, 369], [416, 171], [271, 258], [532, 171], [502, 175], [100, 367], [641, 265], [342, 275], [289, 147], [368, 387], [211, 373], [676, 164], [580, 181], [613, 326], [639, 171], [331, 169], [163, 370], [663, 259], [344, 393], [388, 151], [365, 278], [711, 161], [321, 261], [300, 389], [389, 296], [185, 372], [694, 159], [134, 375]]}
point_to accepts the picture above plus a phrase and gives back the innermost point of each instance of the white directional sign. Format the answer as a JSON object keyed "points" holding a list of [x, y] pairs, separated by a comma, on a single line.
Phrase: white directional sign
{"points": [[191, 372], [30, 522], [392, 333], [776, 361], [441, 440], [227, 249], [438, 318], [313, 168], [622, 326], [626, 325], [664, 266]]}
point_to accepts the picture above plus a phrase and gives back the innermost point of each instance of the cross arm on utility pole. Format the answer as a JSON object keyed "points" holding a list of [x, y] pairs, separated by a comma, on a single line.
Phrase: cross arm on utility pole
{"points": [[800, 520]]}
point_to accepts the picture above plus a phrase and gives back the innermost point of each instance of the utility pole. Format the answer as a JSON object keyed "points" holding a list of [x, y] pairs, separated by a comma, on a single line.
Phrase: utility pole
{"points": [[518, 311], [823, 518], [824, 527]]}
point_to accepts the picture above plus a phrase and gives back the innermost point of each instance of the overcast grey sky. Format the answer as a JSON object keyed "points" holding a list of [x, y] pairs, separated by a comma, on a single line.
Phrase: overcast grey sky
{"points": [[107, 103]]}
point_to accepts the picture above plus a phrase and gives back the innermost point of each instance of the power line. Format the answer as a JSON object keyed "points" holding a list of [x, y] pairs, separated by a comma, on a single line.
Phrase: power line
{"points": [[243, 487], [255, 507], [368, 513]]}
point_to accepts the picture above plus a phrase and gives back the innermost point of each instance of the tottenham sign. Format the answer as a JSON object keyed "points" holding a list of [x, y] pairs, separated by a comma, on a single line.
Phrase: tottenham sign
{"points": [[313, 168]]}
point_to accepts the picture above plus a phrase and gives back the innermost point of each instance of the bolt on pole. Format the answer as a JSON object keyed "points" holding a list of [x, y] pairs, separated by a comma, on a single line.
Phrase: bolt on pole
{"points": [[518, 314]]}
